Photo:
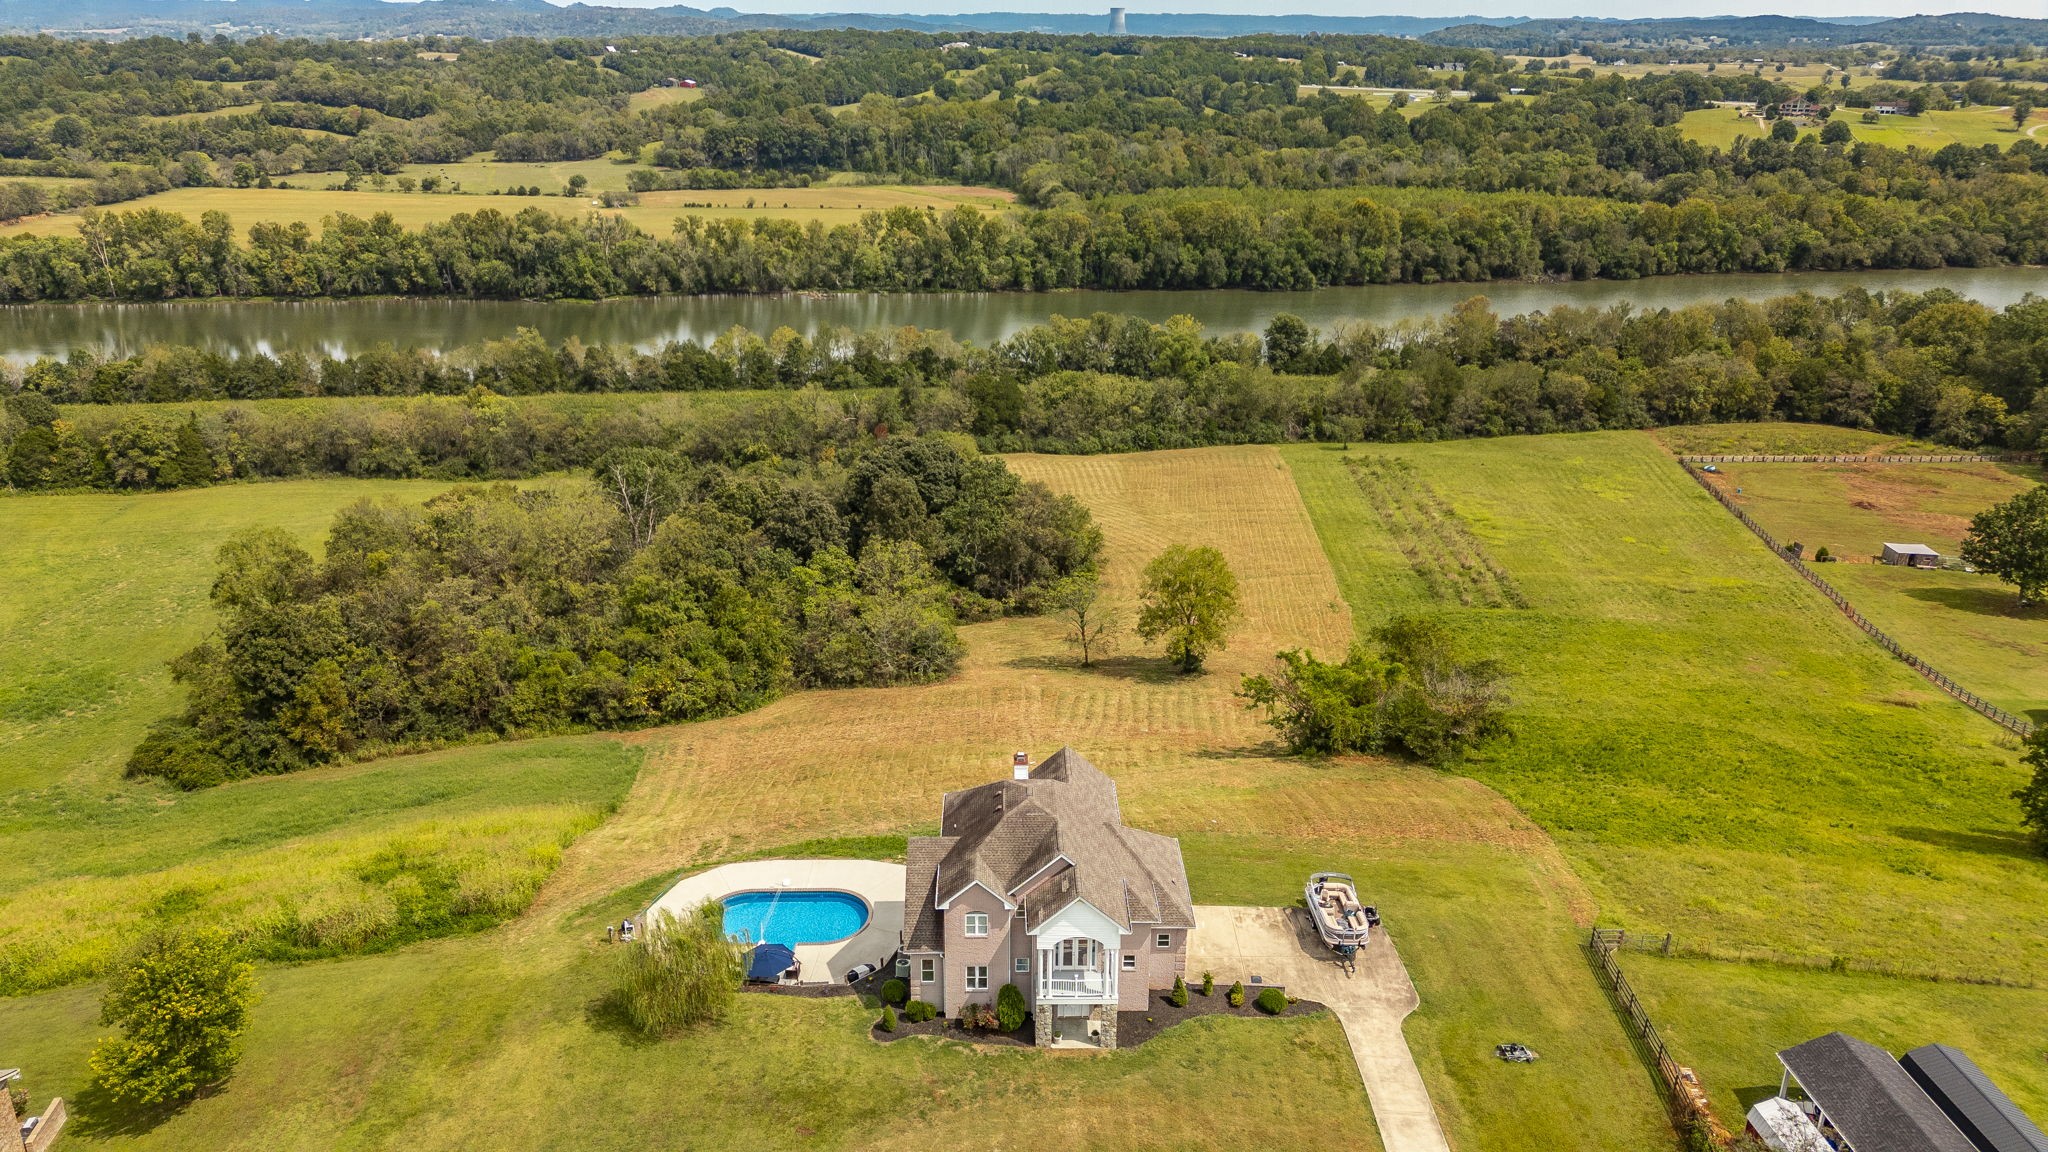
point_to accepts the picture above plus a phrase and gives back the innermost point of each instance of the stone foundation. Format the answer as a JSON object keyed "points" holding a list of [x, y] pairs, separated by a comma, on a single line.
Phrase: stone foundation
{"points": [[1041, 1025], [1102, 1020]]}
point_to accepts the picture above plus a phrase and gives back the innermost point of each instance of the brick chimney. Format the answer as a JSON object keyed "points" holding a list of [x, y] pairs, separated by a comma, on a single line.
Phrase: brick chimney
{"points": [[1020, 766]]}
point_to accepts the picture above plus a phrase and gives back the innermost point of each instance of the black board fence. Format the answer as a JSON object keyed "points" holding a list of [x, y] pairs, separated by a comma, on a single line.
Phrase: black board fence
{"points": [[1949, 458], [1986, 708], [1683, 1091]]}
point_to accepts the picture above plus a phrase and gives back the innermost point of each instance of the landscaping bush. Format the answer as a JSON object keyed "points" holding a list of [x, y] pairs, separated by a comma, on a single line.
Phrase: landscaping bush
{"points": [[181, 1002], [1823, 556], [1179, 996], [919, 1011], [1010, 1008], [888, 1018], [895, 991], [1272, 1002], [1208, 983], [680, 973], [1236, 995]]}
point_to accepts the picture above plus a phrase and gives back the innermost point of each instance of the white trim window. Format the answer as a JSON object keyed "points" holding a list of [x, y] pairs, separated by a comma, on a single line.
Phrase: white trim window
{"points": [[928, 969], [977, 977], [976, 924], [1021, 965], [1075, 952], [1164, 939], [1130, 962]]}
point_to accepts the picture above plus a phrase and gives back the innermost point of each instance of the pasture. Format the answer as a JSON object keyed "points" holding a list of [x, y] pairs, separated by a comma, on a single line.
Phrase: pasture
{"points": [[1929, 131], [1968, 625], [657, 212], [483, 1039], [662, 97]]}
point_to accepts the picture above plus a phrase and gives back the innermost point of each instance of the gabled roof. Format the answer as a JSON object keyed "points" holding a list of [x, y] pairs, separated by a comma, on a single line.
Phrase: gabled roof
{"points": [[1912, 549], [1871, 1100], [1005, 835], [1984, 1114]]}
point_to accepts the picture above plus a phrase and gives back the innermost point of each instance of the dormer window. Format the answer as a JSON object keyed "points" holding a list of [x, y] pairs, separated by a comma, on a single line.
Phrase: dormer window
{"points": [[977, 924]]}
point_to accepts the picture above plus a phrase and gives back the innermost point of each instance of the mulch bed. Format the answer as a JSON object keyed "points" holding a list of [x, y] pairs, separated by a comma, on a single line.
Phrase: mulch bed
{"points": [[1132, 1028]]}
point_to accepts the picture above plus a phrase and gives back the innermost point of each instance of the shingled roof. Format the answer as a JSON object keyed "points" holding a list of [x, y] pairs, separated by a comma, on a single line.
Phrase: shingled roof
{"points": [[1872, 1101], [1984, 1113], [1003, 834]]}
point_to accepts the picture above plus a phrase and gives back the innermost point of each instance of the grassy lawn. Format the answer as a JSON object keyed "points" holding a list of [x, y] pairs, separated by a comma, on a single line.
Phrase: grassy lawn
{"points": [[1729, 1021], [483, 173], [487, 1039], [662, 97], [1781, 439], [1966, 625], [656, 212], [1929, 131]]}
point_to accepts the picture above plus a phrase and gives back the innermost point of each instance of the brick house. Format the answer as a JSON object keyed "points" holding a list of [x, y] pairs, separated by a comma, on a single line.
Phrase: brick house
{"points": [[1035, 881]]}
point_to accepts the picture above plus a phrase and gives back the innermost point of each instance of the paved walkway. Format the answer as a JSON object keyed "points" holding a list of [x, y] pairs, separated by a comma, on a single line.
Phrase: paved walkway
{"points": [[1280, 947], [881, 885]]}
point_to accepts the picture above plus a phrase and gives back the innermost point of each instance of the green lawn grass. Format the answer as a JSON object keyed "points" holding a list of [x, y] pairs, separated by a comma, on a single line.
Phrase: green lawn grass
{"points": [[1930, 131], [1782, 439], [1718, 751], [1967, 625]]}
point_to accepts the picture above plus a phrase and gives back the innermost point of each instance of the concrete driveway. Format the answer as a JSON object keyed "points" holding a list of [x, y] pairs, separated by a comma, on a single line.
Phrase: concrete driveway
{"points": [[1279, 946]]}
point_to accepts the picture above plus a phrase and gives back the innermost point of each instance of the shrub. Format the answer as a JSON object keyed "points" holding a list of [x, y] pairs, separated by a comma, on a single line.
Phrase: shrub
{"points": [[888, 1018], [974, 1017], [895, 991], [919, 1011], [1208, 983], [1236, 995], [1821, 555], [1272, 1002], [181, 1002], [1179, 996], [1010, 1008], [680, 973]]}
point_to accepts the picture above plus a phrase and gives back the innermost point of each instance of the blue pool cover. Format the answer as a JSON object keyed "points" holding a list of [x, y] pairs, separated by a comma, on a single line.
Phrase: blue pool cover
{"points": [[770, 961], [788, 917]]}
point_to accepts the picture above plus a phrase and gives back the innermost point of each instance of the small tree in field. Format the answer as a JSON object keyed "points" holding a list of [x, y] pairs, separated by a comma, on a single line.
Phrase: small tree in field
{"points": [[2021, 109], [680, 973], [181, 1001], [1090, 624], [2010, 541], [2033, 797], [1190, 598]]}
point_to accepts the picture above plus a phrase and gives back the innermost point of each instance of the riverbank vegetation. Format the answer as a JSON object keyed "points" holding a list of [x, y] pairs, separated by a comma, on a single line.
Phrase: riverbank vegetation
{"points": [[1930, 365]]}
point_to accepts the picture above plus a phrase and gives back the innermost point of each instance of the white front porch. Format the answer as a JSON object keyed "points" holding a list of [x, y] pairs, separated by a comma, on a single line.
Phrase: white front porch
{"points": [[1077, 970]]}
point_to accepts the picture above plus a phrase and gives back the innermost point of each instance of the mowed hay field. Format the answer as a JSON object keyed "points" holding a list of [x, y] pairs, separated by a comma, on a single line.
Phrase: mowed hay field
{"points": [[1970, 127], [657, 212], [487, 1040], [1968, 625], [1717, 751]]}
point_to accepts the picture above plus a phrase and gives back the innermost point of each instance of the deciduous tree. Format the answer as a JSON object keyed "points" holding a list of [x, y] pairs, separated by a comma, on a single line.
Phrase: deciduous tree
{"points": [[1190, 601], [2010, 541]]}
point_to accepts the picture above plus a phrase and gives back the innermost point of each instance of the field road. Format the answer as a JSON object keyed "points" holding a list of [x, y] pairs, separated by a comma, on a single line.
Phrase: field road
{"points": [[1279, 946]]}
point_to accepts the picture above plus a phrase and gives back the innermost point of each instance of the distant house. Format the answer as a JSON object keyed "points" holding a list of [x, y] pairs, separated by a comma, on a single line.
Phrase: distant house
{"points": [[1035, 881], [1892, 108], [1862, 1100], [1972, 1102], [1911, 556], [1802, 109], [955, 44]]}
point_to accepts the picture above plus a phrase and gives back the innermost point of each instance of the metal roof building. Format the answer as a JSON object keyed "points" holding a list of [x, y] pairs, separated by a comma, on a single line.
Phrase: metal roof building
{"points": [[1868, 1100], [1972, 1102]]}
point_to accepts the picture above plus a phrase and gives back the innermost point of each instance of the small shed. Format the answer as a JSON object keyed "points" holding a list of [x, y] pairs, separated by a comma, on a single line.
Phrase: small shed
{"points": [[1781, 1126], [1984, 1113], [1911, 556]]}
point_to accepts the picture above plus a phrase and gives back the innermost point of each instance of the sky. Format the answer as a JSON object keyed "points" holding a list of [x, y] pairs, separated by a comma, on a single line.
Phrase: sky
{"points": [[1623, 9]]}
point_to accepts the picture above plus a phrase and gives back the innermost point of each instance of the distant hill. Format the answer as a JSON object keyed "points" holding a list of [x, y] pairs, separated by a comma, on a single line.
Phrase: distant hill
{"points": [[1547, 36]]}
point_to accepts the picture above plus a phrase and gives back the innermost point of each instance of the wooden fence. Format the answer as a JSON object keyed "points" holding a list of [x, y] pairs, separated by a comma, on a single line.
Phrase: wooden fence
{"points": [[1934, 676], [1947, 459], [1682, 1089]]}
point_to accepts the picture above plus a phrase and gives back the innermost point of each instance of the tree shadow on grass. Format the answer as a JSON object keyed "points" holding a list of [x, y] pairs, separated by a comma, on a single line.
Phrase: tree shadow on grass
{"points": [[1747, 1098], [1984, 601], [1984, 841], [1139, 669], [94, 1114], [607, 1014]]}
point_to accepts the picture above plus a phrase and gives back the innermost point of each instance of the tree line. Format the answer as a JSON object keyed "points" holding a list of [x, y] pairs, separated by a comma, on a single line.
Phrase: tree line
{"points": [[1931, 365], [665, 588]]}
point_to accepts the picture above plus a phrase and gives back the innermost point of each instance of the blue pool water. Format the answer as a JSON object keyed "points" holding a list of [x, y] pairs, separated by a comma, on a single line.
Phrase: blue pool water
{"points": [[788, 917]]}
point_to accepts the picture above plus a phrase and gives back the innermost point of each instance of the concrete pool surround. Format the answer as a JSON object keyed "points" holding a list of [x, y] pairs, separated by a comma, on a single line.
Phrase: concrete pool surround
{"points": [[875, 883]]}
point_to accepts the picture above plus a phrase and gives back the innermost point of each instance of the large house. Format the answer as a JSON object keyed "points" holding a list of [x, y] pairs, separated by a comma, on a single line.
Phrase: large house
{"points": [[1035, 881]]}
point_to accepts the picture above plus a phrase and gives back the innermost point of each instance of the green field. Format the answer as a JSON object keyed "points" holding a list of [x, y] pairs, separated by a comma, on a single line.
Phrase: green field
{"points": [[1929, 131], [1967, 625], [656, 212]]}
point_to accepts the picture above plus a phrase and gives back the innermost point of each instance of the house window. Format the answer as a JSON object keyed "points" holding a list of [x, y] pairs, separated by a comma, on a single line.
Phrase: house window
{"points": [[1021, 964], [928, 969], [977, 923], [1165, 940], [1130, 962], [977, 977], [1074, 953]]}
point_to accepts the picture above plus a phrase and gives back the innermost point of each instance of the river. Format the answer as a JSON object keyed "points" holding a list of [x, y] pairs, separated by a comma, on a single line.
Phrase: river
{"points": [[338, 327]]}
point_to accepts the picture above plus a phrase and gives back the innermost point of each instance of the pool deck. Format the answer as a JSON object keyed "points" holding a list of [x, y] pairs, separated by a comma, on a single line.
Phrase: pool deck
{"points": [[880, 884]]}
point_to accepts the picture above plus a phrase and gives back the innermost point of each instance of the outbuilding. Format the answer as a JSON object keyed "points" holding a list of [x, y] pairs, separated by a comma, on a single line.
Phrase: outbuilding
{"points": [[1862, 1100], [1972, 1102], [1911, 556]]}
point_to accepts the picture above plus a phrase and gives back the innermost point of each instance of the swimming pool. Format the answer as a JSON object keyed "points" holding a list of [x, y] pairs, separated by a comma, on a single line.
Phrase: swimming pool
{"points": [[794, 917]]}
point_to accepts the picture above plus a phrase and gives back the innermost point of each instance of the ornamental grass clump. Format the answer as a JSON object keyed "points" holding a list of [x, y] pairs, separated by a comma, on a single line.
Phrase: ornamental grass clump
{"points": [[680, 974]]}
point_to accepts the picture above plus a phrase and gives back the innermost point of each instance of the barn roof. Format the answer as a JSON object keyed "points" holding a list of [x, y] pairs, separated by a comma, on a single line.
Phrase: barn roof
{"points": [[1875, 1105], [1912, 549], [1986, 1115]]}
